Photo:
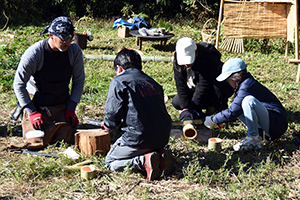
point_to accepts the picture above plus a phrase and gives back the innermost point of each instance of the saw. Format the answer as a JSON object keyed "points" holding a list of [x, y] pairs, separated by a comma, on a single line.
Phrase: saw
{"points": [[185, 122]]}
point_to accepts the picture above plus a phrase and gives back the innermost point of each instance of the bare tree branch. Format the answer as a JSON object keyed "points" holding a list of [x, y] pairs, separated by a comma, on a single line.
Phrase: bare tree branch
{"points": [[205, 7], [7, 19]]}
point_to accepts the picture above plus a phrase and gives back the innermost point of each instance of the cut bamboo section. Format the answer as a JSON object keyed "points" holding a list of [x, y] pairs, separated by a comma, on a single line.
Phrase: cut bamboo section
{"points": [[202, 135]]}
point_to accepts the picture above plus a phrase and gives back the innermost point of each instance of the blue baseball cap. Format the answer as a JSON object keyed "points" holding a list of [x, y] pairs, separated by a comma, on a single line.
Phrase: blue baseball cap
{"points": [[231, 66], [61, 27]]}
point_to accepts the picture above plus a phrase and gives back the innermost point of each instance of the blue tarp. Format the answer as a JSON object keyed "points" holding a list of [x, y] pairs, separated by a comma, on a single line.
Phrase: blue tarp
{"points": [[121, 22], [139, 22]]}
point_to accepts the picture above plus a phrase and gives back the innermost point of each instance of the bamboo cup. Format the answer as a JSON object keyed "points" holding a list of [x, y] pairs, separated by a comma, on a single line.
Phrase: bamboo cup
{"points": [[215, 144], [189, 131], [88, 172]]}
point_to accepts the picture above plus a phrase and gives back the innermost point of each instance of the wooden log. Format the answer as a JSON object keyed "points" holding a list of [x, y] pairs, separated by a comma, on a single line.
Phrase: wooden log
{"points": [[92, 142]]}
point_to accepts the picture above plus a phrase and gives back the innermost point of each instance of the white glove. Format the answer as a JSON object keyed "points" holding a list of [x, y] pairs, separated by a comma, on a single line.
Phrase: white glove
{"points": [[209, 123]]}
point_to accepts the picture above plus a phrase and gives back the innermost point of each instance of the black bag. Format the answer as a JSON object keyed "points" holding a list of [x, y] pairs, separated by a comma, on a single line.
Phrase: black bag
{"points": [[141, 23]]}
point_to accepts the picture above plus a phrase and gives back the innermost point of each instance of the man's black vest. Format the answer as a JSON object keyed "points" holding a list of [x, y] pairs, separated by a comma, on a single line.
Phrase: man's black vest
{"points": [[53, 80]]}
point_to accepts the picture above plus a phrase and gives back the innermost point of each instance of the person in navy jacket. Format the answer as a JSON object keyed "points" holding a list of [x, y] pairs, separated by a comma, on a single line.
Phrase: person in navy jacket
{"points": [[135, 106], [255, 105]]}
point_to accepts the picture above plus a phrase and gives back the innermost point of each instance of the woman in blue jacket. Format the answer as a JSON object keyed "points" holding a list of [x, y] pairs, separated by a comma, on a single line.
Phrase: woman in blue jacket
{"points": [[256, 106]]}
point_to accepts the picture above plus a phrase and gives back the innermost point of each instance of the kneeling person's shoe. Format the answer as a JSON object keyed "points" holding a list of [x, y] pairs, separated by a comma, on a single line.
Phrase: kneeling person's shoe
{"points": [[151, 165], [166, 161], [249, 142]]}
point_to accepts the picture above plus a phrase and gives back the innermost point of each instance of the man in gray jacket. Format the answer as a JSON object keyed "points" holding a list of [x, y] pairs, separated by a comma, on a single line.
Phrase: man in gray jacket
{"points": [[45, 71]]}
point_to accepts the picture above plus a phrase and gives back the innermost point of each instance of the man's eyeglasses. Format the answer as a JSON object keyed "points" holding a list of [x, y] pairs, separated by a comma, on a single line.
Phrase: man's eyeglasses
{"points": [[66, 41]]}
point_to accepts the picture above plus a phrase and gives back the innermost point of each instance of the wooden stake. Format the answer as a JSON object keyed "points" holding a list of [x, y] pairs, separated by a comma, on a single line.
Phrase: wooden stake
{"points": [[297, 32], [298, 74], [219, 23]]}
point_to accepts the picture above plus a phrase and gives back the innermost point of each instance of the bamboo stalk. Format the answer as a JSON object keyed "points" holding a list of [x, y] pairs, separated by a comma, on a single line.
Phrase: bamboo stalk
{"points": [[230, 44], [243, 46], [240, 44], [234, 46], [223, 43], [238, 41], [226, 42]]}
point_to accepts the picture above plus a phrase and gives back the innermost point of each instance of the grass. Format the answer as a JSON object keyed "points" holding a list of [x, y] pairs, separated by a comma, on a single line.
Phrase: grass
{"points": [[268, 173]]}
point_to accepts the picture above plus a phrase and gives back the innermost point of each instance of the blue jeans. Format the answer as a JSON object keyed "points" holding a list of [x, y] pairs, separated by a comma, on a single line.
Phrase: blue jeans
{"points": [[255, 116], [121, 156]]}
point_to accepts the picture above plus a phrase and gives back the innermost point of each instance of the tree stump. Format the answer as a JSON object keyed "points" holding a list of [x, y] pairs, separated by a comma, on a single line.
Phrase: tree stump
{"points": [[92, 142]]}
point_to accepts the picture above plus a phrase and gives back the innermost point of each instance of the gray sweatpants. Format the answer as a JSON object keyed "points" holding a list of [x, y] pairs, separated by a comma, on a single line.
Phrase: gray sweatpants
{"points": [[121, 156]]}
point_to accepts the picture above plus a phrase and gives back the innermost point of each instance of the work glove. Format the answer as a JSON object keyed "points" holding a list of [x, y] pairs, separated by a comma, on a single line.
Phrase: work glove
{"points": [[106, 128], [189, 114], [209, 123], [195, 114], [185, 114], [71, 118], [37, 120]]}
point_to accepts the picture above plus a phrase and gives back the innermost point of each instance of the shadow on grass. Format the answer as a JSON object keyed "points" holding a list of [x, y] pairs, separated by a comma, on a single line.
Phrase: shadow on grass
{"points": [[170, 47], [102, 48], [6, 197], [8, 130], [293, 117], [280, 152]]}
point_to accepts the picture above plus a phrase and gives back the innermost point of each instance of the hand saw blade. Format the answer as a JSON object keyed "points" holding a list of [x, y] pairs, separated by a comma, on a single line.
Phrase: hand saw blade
{"points": [[196, 121]]}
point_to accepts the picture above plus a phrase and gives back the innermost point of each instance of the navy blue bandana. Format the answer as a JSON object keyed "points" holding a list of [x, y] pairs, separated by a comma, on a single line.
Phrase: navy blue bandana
{"points": [[61, 27]]}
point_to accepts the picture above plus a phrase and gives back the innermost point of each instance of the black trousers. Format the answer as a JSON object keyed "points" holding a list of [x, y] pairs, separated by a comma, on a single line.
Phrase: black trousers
{"points": [[218, 98]]}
